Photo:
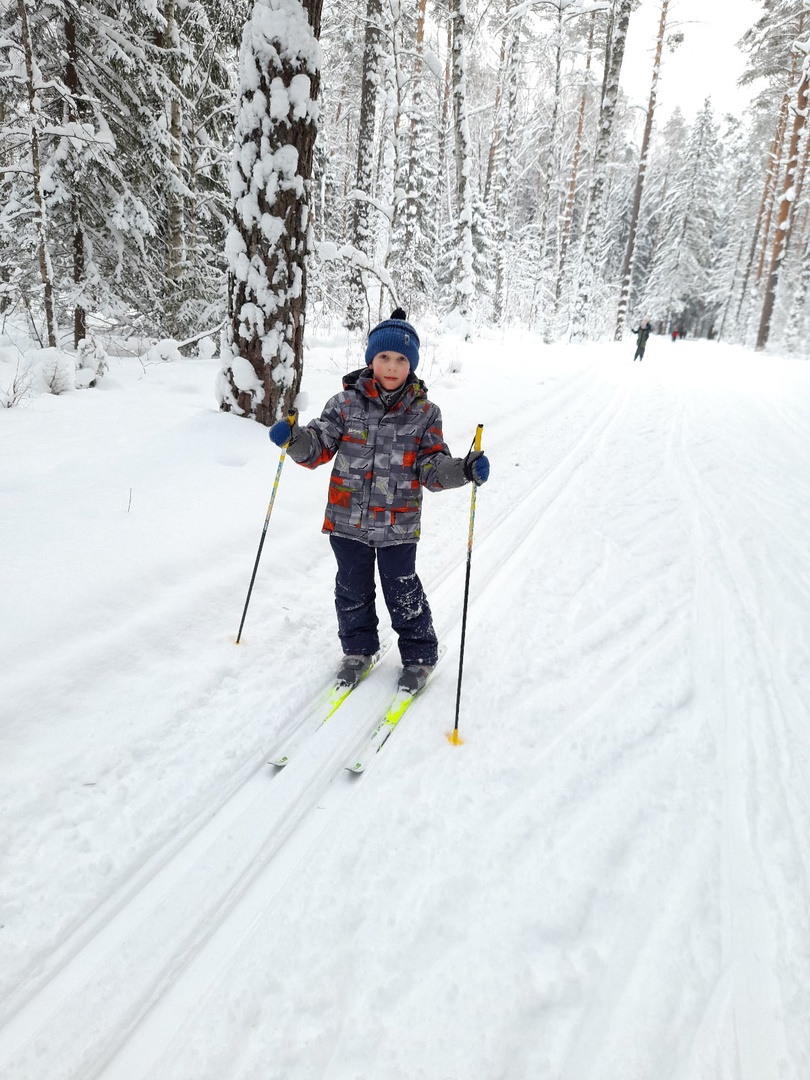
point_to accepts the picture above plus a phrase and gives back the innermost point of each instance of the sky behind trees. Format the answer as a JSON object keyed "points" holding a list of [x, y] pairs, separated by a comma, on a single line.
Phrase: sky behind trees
{"points": [[707, 63]]}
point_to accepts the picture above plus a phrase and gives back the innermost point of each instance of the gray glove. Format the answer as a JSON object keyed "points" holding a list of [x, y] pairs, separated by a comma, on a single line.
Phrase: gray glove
{"points": [[450, 472]]}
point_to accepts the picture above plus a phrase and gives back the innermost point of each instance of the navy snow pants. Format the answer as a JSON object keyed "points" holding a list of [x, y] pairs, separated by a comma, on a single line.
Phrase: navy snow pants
{"points": [[403, 594]]}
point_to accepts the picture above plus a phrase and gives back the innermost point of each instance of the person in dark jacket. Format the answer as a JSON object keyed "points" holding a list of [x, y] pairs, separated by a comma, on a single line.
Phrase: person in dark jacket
{"points": [[643, 332], [386, 440]]}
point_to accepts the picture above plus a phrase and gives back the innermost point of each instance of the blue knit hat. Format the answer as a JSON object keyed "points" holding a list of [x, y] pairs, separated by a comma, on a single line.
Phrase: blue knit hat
{"points": [[394, 335]]}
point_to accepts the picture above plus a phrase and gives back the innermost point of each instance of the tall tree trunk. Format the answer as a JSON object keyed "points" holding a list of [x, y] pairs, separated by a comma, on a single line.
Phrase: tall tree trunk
{"points": [[43, 255], [593, 227], [783, 221], [497, 126], [444, 124], [361, 238], [174, 207], [464, 274], [627, 268], [501, 178], [568, 210], [551, 161], [771, 206], [72, 83], [414, 189], [269, 241], [766, 203]]}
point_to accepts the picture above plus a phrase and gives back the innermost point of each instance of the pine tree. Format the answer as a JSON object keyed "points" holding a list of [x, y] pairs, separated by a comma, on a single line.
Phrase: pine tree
{"points": [[678, 284], [269, 239], [593, 229], [464, 269], [361, 233], [627, 266], [784, 220]]}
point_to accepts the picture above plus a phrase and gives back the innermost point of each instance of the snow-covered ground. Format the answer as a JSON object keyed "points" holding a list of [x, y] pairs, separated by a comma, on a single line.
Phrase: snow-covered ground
{"points": [[609, 880]]}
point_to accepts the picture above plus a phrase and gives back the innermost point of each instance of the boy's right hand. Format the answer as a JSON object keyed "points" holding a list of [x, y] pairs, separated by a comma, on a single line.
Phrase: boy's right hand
{"points": [[284, 432], [476, 467]]}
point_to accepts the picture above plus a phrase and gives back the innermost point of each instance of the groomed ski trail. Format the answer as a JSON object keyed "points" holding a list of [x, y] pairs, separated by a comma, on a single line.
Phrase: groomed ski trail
{"points": [[642, 759]]}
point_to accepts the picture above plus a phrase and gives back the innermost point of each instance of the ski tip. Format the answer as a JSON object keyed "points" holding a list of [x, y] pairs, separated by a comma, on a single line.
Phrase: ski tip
{"points": [[455, 739], [279, 762], [356, 768]]}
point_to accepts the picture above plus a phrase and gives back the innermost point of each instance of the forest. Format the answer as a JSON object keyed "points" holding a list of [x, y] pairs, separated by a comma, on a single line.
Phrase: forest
{"points": [[178, 168]]}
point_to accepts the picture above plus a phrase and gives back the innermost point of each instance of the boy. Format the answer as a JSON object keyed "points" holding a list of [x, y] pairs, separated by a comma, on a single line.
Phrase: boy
{"points": [[386, 438]]}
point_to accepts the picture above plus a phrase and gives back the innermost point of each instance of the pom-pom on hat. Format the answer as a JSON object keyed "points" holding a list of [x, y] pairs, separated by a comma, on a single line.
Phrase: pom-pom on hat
{"points": [[394, 335]]}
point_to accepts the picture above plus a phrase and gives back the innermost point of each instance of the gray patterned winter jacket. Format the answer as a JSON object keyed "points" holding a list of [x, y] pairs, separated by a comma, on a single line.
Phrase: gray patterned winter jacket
{"points": [[383, 458]]}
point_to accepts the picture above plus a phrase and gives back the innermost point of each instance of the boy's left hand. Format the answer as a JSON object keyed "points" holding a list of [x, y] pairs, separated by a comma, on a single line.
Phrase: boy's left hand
{"points": [[476, 467], [283, 433]]}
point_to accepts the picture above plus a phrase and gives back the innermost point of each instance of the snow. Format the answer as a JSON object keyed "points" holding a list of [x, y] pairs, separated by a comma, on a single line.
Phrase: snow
{"points": [[609, 878]]}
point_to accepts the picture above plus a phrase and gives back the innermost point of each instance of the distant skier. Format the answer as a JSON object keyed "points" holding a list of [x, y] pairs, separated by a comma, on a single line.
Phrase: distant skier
{"points": [[674, 335], [386, 438], [643, 332]]}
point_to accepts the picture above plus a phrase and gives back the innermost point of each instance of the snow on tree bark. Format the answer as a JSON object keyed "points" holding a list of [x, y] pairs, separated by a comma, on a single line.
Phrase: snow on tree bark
{"points": [[413, 241], [464, 272], [501, 157], [43, 254], [568, 209], [361, 233], [269, 239]]}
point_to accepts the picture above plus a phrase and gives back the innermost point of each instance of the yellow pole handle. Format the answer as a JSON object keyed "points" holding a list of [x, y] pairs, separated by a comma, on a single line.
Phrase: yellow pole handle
{"points": [[292, 416], [479, 432]]}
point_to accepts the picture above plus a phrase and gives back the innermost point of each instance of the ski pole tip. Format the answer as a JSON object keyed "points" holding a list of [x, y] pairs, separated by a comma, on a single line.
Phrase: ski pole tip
{"points": [[455, 739]]}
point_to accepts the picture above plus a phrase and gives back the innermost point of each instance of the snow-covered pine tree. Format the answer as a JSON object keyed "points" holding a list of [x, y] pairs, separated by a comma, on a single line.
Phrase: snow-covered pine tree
{"points": [[362, 237], [572, 183], [627, 265], [676, 292], [739, 200], [588, 269], [499, 171], [110, 158], [269, 239], [28, 200], [776, 65], [787, 195], [414, 229], [464, 268], [754, 265]]}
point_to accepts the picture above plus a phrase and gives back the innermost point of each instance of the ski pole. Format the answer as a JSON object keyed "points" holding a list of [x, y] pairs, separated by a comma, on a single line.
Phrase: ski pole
{"points": [[291, 417], [454, 738]]}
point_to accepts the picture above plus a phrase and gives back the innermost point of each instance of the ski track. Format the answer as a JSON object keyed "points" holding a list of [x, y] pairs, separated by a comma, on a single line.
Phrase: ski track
{"points": [[760, 872], [651, 834], [157, 903]]}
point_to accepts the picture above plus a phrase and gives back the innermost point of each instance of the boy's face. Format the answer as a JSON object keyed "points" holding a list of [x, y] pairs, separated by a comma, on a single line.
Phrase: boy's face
{"points": [[390, 369]]}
